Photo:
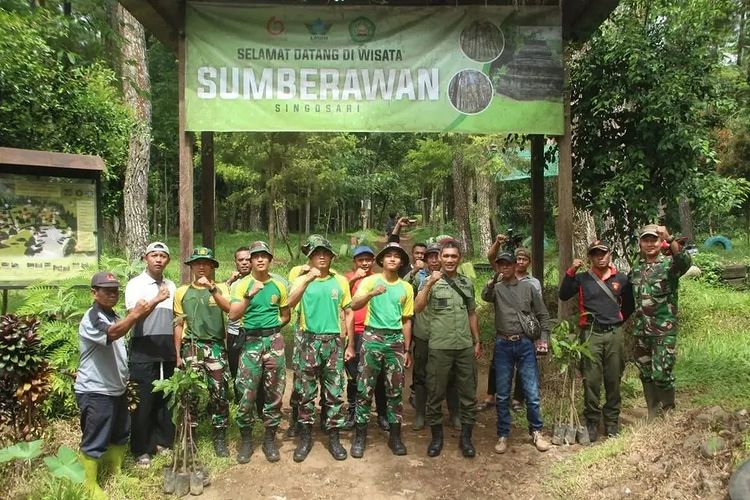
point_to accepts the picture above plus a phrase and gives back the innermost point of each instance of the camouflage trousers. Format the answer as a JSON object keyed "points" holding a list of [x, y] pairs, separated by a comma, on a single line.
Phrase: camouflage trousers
{"points": [[211, 357], [655, 357], [382, 350], [295, 398], [321, 358], [262, 361]]}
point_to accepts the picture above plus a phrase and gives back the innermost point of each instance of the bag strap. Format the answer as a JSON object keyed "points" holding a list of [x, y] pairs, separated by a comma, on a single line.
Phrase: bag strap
{"points": [[453, 285], [604, 287]]}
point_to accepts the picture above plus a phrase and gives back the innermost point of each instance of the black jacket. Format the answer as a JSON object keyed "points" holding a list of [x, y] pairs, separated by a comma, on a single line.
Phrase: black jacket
{"points": [[593, 300]]}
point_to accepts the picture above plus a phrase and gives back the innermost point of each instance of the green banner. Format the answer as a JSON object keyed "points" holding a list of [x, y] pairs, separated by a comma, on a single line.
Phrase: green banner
{"points": [[391, 69]]}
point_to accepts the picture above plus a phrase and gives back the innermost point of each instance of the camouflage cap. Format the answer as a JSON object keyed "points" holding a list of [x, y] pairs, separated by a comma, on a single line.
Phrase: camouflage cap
{"points": [[649, 230], [202, 253], [432, 248], [315, 241], [599, 245], [260, 246], [522, 252]]}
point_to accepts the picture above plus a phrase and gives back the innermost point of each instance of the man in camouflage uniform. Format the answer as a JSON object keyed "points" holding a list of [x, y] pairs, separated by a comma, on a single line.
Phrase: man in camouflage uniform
{"points": [[385, 344], [321, 296], [447, 299], [655, 280], [260, 301], [199, 338]]}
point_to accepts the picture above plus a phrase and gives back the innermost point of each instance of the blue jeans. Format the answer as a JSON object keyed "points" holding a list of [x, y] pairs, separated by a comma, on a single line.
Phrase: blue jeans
{"points": [[522, 356]]}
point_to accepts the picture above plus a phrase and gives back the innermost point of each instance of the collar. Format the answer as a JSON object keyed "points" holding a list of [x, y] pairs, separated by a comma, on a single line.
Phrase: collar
{"points": [[150, 279], [108, 313], [611, 271], [512, 282]]}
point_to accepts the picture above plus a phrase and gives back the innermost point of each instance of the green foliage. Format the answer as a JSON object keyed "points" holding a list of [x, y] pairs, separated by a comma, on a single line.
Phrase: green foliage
{"points": [[65, 465], [717, 197], [180, 387], [711, 267], [567, 349], [645, 93], [21, 451]]}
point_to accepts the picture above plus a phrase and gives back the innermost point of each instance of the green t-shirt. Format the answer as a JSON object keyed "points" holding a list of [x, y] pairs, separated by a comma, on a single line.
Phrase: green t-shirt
{"points": [[447, 314], [386, 310], [321, 302], [202, 317], [263, 310]]}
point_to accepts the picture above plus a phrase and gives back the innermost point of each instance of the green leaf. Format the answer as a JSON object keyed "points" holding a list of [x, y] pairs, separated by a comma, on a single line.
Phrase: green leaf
{"points": [[66, 465], [21, 451]]}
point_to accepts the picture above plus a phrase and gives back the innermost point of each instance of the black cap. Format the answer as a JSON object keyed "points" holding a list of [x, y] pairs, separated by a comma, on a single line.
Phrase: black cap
{"points": [[104, 279], [506, 256]]}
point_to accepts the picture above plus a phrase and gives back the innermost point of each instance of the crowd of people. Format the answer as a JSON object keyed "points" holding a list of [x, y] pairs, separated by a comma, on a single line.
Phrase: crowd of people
{"points": [[355, 335]]}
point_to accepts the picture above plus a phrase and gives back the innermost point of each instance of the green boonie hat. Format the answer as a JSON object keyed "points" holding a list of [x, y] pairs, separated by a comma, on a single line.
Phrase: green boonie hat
{"points": [[649, 230], [203, 253], [260, 246], [316, 241]]}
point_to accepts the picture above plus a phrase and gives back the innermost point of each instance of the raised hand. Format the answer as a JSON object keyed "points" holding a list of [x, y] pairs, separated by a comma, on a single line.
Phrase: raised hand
{"points": [[379, 290], [418, 264], [163, 293], [501, 238], [360, 273], [435, 277], [141, 308], [313, 274], [204, 282], [577, 263], [257, 287]]}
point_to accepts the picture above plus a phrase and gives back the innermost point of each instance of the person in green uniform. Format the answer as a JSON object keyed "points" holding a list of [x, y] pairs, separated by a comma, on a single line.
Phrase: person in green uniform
{"points": [[447, 298], [655, 279], [199, 338], [321, 296], [385, 344], [260, 301]]}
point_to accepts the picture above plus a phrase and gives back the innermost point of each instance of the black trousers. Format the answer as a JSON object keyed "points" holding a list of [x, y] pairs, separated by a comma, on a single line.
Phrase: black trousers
{"points": [[152, 420], [104, 421]]}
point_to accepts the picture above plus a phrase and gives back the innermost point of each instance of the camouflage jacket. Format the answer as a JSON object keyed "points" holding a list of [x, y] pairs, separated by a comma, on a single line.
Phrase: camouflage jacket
{"points": [[655, 288]]}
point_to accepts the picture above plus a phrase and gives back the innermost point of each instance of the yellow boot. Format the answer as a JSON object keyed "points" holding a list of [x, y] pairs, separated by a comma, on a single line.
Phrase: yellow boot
{"points": [[90, 467], [113, 457]]}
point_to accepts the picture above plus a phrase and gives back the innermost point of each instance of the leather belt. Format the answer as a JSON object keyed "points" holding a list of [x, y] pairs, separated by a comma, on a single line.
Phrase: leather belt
{"points": [[262, 332], [606, 328], [514, 337]]}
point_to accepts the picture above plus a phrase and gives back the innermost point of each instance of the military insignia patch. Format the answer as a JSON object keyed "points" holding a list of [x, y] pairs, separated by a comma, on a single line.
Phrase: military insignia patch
{"points": [[274, 299], [334, 294], [615, 286]]}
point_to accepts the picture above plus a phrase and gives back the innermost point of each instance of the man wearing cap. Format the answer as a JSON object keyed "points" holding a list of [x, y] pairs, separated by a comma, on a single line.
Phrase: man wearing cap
{"points": [[321, 296], [605, 300], [259, 301], [102, 377], [447, 298], [363, 258], [516, 305], [385, 344], [151, 355], [655, 278], [199, 337]]}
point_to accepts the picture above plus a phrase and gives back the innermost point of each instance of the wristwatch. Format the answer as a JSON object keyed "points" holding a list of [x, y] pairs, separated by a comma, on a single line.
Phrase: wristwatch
{"points": [[213, 290]]}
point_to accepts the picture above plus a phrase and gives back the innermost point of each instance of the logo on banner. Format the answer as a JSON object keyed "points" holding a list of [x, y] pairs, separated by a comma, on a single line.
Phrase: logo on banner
{"points": [[361, 30], [275, 26], [318, 29]]}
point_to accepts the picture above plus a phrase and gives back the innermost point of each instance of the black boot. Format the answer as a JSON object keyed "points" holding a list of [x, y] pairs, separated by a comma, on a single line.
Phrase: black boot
{"points": [[294, 425], [467, 448], [220, 442], [666, 396], [421, 397], [334, 445], [305, 443], [323, 416], [246, 445], [652, 399], [394, 440], [383, 423], [269, 445], [593, 429], [436, 444], [360, 441]]}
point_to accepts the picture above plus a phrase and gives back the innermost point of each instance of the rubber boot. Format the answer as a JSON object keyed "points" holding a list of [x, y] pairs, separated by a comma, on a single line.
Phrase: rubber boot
{"points": [[360, 441], [269, 445], [350, 418], [220, 442], [394, 440], [420, 392], [453, 407], [113, 458], [305, 443], [294, 425], [652, 399], [323, 416], [467, 448], [245, 450], [436, 444], [90, 468], [666, 396], [334, 445]]}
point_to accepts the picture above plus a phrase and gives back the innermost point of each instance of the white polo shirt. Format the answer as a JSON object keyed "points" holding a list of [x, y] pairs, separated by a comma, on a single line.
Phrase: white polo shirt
{"points": [[151, 340]]}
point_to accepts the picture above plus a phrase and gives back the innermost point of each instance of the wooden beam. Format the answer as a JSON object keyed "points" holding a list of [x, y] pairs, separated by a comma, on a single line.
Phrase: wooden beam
{"points": [[186, 160], [565, 207], [208, 190], [537, 207], [34, 158]]}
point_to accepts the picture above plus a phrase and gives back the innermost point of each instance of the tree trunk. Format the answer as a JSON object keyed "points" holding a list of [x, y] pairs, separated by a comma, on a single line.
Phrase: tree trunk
{"points": [[461, 200], [307, 212], [584, 232], [282, 225], [686, 219], [271, 222], [484, 215], [136, 89]]}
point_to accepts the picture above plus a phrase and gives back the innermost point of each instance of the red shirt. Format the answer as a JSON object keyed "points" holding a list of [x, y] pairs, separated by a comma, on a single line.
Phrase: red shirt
{"points": [[360, 314]]}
